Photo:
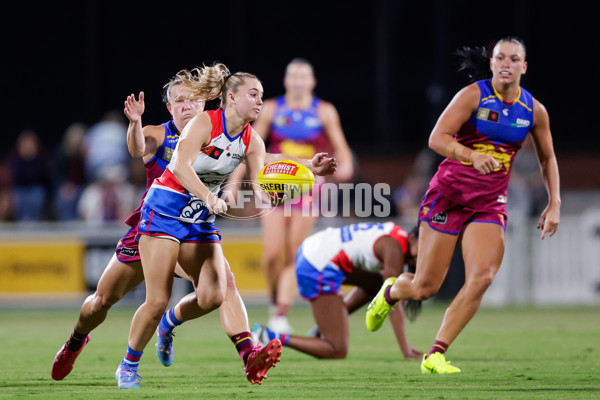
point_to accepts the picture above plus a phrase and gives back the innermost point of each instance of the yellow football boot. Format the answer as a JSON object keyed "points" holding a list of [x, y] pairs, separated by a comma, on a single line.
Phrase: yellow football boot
{"points": [[379, 308], [437, 364]]}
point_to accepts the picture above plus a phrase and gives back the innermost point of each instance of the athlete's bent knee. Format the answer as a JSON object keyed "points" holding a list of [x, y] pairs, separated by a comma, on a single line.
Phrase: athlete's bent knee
{"points": [[485, 280], [336, 353], [482, 281], [101, 303], [210, 300], [156, 306], [424, 292], [340, 354]]}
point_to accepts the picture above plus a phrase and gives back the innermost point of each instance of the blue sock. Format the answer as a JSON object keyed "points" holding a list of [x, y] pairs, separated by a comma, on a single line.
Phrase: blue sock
{"points": [[168, 322], [284, 337], [131, 361]]}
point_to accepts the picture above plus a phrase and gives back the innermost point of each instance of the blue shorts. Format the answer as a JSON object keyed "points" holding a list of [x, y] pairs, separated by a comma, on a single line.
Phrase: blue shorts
{"points": [[154, 224], [312, 283]]}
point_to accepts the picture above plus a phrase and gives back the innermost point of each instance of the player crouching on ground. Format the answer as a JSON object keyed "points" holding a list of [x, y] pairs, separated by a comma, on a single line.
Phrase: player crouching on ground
{"points": [[362, 255]]}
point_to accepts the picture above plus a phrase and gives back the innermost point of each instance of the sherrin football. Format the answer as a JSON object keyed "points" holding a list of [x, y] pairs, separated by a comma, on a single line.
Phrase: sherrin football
{"points": [[286, 177]]}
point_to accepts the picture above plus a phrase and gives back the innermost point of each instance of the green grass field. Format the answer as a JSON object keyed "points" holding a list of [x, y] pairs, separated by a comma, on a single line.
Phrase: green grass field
{"points": [[504, 353]]}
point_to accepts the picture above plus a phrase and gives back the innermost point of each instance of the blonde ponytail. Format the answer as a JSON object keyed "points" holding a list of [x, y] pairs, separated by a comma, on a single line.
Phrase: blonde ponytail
{"points": [[208, 83]]}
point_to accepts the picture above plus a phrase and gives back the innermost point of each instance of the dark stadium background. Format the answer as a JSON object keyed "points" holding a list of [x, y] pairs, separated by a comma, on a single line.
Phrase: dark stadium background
{"points": [[387, 65]]}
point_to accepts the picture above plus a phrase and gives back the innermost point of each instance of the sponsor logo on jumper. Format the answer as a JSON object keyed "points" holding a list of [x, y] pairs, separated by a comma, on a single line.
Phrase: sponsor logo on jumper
{"points": [[312, 122], [281, 168], [488, 115], [282, 121], [521, 123], [440, 218], [235, 156], [168, 154], [502, 199], [212, 152], [212, 178]]}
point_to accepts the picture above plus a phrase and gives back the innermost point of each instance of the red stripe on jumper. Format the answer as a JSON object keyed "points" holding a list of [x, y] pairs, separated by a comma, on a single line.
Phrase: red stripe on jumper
{"points": [[342, 260]]}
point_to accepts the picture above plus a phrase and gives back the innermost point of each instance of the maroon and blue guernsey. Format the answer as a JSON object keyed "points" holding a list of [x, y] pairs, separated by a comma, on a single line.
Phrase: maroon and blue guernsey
{"points": [[297, 132], [157, 165], [495, 128]]}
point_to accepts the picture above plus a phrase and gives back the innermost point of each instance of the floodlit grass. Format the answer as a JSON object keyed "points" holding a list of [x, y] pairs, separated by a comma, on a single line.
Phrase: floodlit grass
{"points": [[504, 353]]}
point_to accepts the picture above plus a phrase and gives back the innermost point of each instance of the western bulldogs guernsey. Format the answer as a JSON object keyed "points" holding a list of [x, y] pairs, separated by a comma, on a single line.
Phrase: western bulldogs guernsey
{"points": [[497, 129], [350, 247], [298, 133], [215, 162], [156, 166]]}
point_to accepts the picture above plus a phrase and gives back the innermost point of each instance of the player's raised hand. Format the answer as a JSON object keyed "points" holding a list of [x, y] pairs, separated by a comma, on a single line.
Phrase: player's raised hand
{"points": [[134, 108]]}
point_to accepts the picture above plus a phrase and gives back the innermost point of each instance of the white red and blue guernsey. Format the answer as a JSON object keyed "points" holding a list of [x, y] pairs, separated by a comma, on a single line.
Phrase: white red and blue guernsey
{"points": [[214, 163], [351, 247]]}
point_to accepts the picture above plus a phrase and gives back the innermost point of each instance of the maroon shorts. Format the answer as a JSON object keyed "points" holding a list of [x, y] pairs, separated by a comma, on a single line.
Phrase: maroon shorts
{"points": [[444, 215], [127, 249]]}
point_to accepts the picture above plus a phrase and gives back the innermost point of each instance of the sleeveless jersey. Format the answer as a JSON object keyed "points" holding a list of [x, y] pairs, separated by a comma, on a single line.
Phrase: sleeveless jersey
{"points": [[497, 129], [214, 163], [298, 133], [156, 166], [352, 246]]}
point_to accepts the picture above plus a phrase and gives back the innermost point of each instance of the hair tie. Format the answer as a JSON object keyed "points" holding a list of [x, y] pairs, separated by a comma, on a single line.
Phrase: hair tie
{"points": [[228, 74]]}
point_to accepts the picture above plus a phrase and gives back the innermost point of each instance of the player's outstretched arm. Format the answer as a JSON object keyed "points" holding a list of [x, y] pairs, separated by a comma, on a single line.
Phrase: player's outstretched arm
{"points": [[398, 325], [321, 164]]}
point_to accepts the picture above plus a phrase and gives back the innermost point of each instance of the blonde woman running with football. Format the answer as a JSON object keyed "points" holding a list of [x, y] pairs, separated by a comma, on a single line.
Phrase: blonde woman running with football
{"points": [[177, 217]]}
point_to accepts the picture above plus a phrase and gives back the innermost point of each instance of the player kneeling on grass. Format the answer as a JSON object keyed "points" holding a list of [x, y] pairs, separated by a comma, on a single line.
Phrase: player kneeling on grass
{"points": [[361, 255]]}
